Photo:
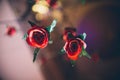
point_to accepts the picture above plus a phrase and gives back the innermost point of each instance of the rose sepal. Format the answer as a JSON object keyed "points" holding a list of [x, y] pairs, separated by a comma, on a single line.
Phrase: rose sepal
{"points": [[82, 36], [35, 53], [84, 53]]}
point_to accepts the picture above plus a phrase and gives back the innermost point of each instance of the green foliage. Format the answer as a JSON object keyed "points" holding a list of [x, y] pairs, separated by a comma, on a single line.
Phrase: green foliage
{"points": [[25, 36], [82, 36], [35, 53], [84, 53], [62, 51], [51, 27]]}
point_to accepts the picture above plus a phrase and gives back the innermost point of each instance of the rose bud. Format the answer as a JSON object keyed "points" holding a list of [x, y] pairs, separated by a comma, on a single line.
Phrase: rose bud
{"points": [[69, 33]]}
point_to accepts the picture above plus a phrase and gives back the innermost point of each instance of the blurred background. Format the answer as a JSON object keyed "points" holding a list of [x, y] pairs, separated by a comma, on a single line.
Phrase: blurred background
{"points": [[100, 19]]}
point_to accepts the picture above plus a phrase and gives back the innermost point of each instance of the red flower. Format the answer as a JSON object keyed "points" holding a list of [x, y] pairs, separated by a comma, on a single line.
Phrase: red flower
{"points": [[52, 3], [37, 37], [11, 31], [73, 48]]}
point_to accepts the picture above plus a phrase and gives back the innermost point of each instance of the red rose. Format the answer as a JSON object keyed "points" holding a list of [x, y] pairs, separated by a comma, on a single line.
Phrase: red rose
{"points": [[37, 37], [73, 48]]}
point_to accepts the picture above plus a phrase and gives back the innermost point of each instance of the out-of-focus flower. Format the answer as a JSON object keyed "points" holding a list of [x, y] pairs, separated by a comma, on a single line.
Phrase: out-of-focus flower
{"points": [[10, 31]]}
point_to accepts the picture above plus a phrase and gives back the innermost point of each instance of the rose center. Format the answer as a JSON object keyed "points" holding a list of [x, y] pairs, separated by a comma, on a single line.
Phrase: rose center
{"points": [[38, 37], [74, 47]]}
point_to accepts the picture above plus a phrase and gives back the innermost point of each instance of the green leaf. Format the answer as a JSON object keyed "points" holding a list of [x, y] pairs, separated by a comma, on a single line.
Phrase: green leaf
{"points": [[62, 51], [82, 36], [25, 36], [31, 23], [51, 27], [35, 53], [84, 53]]}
